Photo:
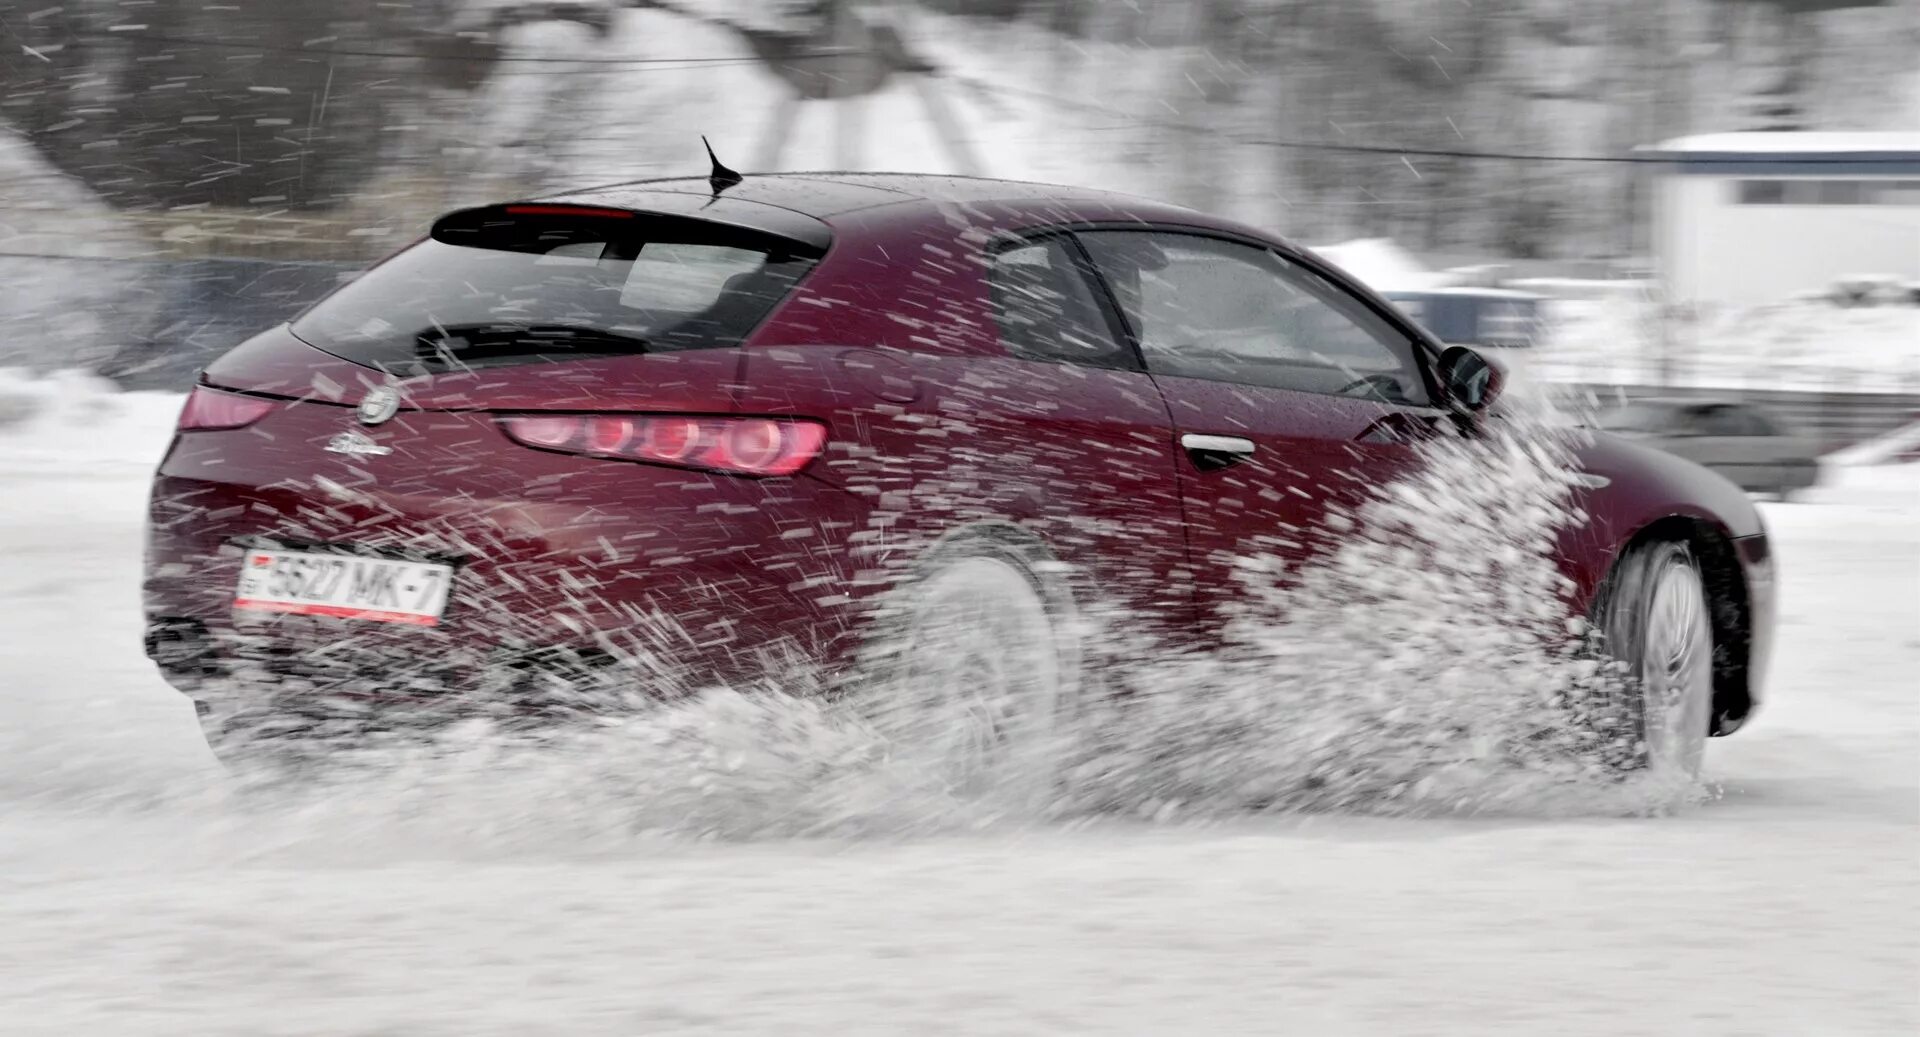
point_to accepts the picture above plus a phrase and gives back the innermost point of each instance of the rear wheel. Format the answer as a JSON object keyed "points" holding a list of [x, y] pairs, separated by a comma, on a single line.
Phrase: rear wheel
{"points": [[1654, 622], [977, 662]]}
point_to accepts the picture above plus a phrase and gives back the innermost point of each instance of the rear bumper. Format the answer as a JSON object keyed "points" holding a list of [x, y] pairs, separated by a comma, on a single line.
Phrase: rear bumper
{"points": [[562, 565]]}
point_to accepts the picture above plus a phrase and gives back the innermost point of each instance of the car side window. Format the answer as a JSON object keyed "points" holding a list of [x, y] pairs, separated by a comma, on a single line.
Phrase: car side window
{"points": [[1209, 308], [1046, 307]]}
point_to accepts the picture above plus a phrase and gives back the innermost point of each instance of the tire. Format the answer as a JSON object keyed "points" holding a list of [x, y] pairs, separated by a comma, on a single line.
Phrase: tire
{"points": [[977, 662], [1654, 623]]}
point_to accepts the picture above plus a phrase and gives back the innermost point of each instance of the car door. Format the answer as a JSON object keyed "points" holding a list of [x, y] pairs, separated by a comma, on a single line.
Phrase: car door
{"points": [[1290, 396], [1084, 443]]}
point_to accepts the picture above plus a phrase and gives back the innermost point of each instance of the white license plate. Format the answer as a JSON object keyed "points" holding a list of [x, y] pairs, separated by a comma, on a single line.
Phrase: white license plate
{"points": [[313, 583]]}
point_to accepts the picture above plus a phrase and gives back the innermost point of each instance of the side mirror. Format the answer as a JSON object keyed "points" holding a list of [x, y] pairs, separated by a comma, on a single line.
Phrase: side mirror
{"points": [[1471, 381]]}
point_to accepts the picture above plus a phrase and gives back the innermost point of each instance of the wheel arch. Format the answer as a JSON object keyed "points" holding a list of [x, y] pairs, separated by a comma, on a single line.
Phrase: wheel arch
{"points": [[1017, 543], [1003, 539], [1730, 607]]}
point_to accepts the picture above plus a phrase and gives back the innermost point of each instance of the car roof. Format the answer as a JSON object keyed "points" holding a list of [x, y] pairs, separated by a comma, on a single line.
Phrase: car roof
{"points": [[807, 207], [824, 195]]}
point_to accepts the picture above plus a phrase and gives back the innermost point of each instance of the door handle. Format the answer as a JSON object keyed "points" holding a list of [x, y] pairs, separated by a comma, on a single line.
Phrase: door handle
{"points": [[1212, 453]]}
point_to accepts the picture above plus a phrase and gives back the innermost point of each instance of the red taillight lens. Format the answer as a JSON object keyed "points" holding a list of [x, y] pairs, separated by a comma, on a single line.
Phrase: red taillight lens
{"points": [[747, 446], [210, 409]]}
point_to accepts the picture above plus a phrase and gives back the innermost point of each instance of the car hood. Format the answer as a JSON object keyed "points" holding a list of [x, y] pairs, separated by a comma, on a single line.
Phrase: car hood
{"points": [[1645, 484]]}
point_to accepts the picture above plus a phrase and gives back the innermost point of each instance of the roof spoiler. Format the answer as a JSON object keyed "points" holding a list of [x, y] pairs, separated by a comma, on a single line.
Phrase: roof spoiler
{"points": [[667, 216]]}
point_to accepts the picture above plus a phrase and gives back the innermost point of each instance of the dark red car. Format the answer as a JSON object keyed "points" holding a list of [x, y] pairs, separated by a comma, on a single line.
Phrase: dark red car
{"points": [[689, 431]]}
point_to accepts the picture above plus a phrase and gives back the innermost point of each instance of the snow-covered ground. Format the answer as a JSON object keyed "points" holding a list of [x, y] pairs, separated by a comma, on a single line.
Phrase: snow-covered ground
{"points": [[137, 898]]}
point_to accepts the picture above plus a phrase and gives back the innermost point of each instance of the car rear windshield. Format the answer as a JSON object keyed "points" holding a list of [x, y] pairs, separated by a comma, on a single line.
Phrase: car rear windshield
{"points": [[524, 284]]}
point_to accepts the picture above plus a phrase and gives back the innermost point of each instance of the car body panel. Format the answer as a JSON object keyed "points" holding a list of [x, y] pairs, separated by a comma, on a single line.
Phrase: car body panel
{"points": [[1646, 483], [275, 363], [937, 424], [1309, 459], [1081, 459]]}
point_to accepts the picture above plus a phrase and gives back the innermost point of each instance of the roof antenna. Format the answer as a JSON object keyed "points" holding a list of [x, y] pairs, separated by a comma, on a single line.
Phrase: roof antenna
{"points": [[721, 178]]}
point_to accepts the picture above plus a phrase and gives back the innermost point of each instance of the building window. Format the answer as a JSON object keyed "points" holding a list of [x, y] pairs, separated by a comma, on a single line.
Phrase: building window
{"points": [[1802, 192], [1806, 191], [1898, 192]]}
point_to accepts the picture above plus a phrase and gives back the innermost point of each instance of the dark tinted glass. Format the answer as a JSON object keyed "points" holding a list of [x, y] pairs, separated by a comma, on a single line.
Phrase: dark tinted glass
{"points": [[524, 290], [1046, 307]]}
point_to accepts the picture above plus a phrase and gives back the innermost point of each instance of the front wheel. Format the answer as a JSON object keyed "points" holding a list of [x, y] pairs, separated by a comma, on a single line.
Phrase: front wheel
{"points": [[1654, 623]]}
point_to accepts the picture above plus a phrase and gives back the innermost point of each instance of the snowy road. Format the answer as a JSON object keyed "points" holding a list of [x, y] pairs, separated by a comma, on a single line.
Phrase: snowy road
{"points": [[1788, 906]]}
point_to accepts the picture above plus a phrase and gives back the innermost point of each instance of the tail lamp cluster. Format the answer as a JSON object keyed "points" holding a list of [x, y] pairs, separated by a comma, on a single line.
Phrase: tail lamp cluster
{"points": [[746, 446], [209, 410]]}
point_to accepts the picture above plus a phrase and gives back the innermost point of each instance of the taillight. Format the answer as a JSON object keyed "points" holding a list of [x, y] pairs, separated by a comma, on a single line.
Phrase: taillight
{"points": [[748, 446], [209, 409]]}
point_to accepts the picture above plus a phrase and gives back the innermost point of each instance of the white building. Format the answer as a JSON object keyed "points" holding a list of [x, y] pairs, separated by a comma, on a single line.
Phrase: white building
{"points": [[1752, 218]]}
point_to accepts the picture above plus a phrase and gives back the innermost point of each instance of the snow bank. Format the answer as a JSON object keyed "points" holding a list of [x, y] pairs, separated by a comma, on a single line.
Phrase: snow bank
{"points": [[76, 418]]}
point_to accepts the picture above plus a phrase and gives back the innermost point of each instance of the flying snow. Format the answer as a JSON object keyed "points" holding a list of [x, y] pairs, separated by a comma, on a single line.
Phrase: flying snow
{"points": [[1428, 664]]}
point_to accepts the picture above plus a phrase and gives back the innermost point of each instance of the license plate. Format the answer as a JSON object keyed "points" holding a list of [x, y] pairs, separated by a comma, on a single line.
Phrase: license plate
{"points": [[313, 583]]}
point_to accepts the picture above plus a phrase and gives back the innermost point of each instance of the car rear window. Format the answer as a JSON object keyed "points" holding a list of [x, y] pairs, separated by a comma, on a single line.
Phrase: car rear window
{"points": [[499, 286]]}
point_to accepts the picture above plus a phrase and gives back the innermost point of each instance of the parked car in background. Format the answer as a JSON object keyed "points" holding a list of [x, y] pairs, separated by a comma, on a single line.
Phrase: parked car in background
{"points": [[1496, 317], [1743, 442]]}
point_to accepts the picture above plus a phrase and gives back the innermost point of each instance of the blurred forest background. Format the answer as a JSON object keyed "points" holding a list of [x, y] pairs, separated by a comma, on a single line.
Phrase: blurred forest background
{"points": [[334, 129]]}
